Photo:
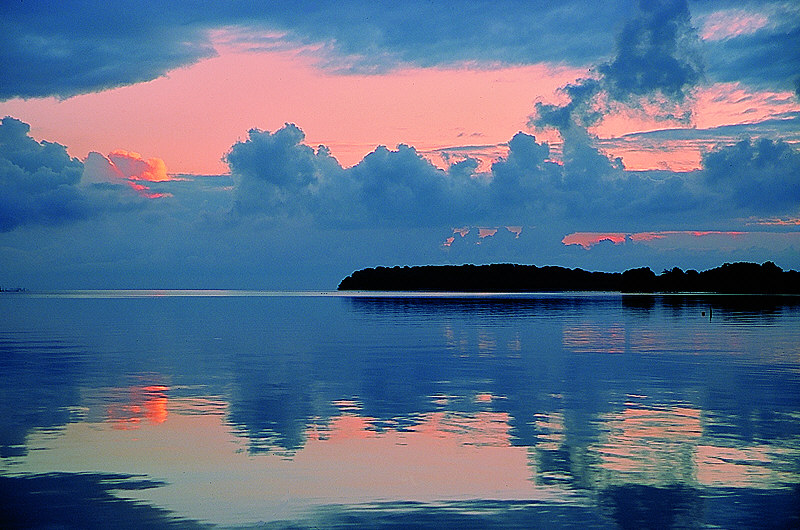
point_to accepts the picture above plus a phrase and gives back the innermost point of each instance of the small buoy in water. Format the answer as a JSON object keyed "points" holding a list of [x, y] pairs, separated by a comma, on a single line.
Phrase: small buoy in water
{"points": [[703, 314]]}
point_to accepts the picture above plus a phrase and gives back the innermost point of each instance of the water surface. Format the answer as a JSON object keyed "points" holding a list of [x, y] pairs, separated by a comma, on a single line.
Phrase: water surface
{"points": [[238, 408]]}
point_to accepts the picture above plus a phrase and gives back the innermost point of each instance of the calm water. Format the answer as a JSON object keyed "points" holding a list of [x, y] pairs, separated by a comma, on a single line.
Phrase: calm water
{"points": [[241, 409]]}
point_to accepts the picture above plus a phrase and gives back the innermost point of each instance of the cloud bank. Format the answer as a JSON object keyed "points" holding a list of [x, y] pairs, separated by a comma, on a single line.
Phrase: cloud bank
{"points": [[291, 213], [280, 177], [38, 180], [64, 49], [41, 184], [292, 207], [67, 49], [656, 66]]}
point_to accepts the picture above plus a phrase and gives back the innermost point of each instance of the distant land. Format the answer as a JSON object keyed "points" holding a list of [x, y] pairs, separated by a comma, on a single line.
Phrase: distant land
{"points": [[733, 278]]}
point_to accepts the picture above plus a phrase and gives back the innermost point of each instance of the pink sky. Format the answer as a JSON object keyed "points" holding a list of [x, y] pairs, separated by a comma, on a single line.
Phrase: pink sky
{"points": [[192, 116]]}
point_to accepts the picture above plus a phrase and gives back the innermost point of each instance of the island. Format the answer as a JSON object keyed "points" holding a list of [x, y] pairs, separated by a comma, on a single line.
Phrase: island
{"points": [[739, 278]]}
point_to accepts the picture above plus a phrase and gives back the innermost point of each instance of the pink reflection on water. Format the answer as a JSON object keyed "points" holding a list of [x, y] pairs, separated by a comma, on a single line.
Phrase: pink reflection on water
{"points": [[145, 403], [443, 455], [649, 445], [551, 432], [664, 445], [739, 467], [591, 337], [345, 427], [484, 428]]}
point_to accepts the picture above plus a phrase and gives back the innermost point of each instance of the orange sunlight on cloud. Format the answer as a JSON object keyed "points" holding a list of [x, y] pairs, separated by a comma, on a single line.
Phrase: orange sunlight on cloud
{"points": [[133, 166]]}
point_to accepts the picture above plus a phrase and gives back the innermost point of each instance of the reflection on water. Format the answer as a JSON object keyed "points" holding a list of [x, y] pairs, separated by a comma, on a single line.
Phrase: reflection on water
{"points": [[39, 502], [492, 411], [148, 403]]}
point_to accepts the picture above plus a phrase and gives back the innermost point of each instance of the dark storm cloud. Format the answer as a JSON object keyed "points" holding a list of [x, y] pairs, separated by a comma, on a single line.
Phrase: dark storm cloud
{"points": [[767, 57], [41, 184], [278, 177], [657, 61], [374, 36], [68, 48], [759, 176], [63, 48], [657, 52], [37, 179], [281, 177]]}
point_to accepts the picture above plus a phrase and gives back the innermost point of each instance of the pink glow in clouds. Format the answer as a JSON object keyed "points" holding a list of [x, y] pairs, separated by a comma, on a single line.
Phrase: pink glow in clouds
{"points": [[516, 230], [144, 191], [133, 166], [483, 232], [713, 106], [125, 167], [589, 239], [192, 116], [695, 239], [460, 231], [789, 221], [731, 23]]}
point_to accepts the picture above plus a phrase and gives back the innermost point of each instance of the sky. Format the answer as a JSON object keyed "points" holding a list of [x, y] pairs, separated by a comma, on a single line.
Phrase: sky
{"points": [[268, 145]]}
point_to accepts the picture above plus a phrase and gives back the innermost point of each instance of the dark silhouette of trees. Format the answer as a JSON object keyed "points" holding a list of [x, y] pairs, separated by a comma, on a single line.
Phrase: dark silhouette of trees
{"points": [[744, 278]]}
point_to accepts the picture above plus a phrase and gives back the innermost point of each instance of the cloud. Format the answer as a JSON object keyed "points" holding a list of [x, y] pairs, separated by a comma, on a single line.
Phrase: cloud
{"points": [[98, 169], [38, 180], [757, 176], [278, 177], [74, 48], [655, 67], [589, 239], [126, 167], [290, 213], [732, 23], [665, 249], [657, 53], [133, 166], [69, 49], [41, 184], [278, 174], [65, 49], [764, 56], [368, 37]]}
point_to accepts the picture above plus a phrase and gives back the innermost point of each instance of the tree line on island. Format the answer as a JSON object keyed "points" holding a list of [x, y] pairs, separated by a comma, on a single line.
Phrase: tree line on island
{"points": [[739, 278]]}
